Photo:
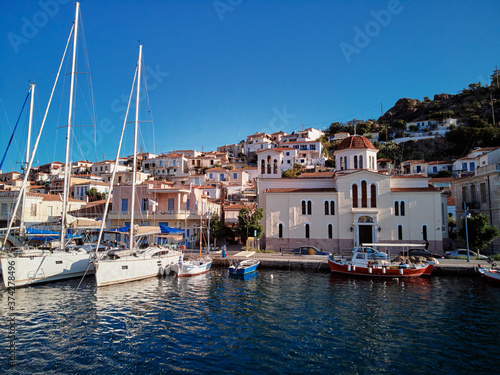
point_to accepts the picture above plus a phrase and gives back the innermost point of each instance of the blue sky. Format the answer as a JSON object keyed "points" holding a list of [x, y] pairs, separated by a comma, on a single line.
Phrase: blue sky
{"points": [[218, 71]]}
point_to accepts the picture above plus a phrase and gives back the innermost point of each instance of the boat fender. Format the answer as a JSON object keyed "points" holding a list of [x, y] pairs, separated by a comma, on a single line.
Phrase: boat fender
{"points": [[183, 247], [354, 267], [383, 270], [400, 271], [349, 267], [369, 270]]}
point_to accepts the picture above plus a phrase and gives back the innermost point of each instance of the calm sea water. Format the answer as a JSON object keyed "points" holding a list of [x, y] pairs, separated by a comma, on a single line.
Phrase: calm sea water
{"points": [[276, 322]]}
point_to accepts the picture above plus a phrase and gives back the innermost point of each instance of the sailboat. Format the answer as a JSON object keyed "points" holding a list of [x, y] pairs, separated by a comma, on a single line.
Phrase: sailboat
{"points": [[24, 265], [134, 263], [192, 267]]}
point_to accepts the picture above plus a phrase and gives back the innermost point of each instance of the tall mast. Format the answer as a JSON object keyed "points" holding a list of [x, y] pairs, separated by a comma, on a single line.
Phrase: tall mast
{"points": [[68, 132], [22, 229], [134, 169]]}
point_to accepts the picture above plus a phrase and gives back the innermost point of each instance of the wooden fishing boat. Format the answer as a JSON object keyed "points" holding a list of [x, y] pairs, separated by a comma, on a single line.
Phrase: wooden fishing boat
{"points": [[363, 264]]}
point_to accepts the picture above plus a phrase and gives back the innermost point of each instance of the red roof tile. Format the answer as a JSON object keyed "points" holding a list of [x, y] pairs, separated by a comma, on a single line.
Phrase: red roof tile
{"points": [[356, 141]]}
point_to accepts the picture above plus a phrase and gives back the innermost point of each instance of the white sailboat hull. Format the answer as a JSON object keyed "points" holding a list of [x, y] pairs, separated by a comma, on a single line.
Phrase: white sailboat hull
{"points": [[132, 268], [40, 266]]}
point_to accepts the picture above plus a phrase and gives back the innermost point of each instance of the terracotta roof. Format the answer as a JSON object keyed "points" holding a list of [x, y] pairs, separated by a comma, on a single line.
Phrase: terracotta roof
{"points": [[450, 201], [440, 162], [301, 190], [414, 190], [356, 141], [277, 149], [384, 160], [442, 179], [317, 174], [409, 176], [414, 162], [218, 169]]}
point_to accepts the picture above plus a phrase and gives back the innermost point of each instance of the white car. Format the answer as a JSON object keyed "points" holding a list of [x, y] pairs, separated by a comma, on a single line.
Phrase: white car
{"points": [[373, 254], [462, 253]]}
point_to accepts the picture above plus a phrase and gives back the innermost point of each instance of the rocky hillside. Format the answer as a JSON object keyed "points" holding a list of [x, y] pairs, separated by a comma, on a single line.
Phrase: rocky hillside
{"points": [[471, 105]]}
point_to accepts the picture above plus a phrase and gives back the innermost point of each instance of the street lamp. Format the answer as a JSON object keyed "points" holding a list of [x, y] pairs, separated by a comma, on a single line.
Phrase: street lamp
{"points": [[466, 214]]}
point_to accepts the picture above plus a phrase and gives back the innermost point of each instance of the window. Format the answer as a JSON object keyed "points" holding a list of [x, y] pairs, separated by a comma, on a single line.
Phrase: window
{"points": [[355, 161], [330, 231], [309, 207], [400, 232], [280, 230], [187, 204], [360, 161], [373, 195], [275, 166], [268, 164], [262, 166], [473, 193], [355, 196], [211, 176], [482, 191], [472, 167], [464, 166], [307, 230], [124, 205], [402, 208], [4, 209], [235, 176], [33, 209], [464, 193], [364, 194], [327, 208], [170, 204], [396, 208], [306, 207], [303, 207], [332, 207], [145, 204], [424, 232]]}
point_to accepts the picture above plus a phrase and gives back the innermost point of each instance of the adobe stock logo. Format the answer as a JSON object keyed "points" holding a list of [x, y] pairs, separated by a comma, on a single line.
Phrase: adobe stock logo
{"points": [[372, 29], [31, 25]]}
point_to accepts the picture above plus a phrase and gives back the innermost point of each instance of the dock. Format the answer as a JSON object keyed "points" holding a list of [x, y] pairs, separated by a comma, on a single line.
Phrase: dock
{"points": [[319, 263]]}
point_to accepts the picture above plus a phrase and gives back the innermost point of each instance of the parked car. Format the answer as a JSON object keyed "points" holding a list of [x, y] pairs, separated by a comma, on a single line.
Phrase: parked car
{"points": [[308, 250], [462, 253], [421, 253], [374, 254]]}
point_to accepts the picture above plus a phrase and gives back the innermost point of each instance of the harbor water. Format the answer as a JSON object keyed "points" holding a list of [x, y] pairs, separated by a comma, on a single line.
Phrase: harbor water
{"points": [[271, 322]]}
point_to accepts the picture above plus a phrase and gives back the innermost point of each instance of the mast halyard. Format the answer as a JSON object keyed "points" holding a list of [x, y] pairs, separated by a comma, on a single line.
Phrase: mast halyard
{"points": [[68, 133], [22, 228], [134, 169]]}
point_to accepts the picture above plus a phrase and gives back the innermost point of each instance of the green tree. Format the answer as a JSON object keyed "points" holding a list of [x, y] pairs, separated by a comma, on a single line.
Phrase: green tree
{"points": [[248, 222], [94, 195], [479, 231], [217, 227], [293, 172]]}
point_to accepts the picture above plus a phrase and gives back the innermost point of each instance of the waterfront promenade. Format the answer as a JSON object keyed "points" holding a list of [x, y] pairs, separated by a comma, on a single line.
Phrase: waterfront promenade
{"points": [[319, 263]]}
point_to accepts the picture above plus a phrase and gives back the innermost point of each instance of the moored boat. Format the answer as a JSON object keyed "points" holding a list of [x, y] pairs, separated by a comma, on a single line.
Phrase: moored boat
{"points": [[244, 267], [184, 268], [491, 274], [121, 266], [362, 264]]}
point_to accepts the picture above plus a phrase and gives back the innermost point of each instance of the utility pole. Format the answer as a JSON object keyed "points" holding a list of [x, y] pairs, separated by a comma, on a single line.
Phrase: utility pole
{"points": [[492, 108]]}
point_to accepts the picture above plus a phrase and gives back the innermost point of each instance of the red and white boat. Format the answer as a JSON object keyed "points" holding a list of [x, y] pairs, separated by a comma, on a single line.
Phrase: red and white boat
{"points": [[491, 274], [363, 263]]}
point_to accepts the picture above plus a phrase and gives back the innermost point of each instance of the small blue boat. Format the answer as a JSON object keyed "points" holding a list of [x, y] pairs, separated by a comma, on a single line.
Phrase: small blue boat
{"points": [[244, 267]]}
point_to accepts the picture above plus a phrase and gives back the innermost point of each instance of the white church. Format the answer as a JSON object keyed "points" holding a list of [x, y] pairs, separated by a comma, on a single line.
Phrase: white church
{"points": [[356, 204]]}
